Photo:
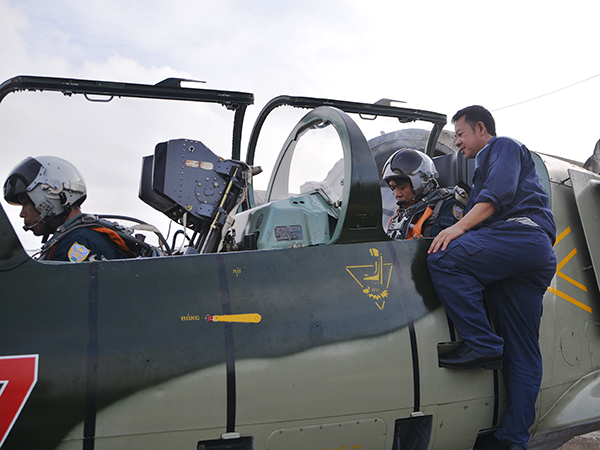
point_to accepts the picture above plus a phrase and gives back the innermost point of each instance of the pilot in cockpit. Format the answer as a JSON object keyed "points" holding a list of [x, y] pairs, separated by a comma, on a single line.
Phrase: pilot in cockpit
{"points": [[50, 192], [424, 209]]}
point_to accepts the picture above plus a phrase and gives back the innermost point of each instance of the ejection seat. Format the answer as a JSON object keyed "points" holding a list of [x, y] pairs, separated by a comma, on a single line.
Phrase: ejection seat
{"points": [[454, 170], [191, 185]]}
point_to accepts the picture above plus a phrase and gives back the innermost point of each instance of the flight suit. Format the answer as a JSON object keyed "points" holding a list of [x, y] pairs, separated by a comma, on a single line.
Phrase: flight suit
{"points": [[428, 217], [86, 244], [510, 256]]}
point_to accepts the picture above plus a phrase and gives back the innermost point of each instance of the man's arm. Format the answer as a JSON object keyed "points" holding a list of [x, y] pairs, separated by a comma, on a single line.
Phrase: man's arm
{"points": [[479, 213]]}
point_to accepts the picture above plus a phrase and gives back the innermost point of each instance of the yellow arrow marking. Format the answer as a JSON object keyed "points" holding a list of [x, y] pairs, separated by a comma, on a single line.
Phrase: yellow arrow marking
{"points": [[570, 280]]}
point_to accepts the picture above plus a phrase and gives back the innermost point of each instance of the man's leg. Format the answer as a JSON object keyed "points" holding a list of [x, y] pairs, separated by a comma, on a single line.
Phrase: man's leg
{"points": [[516, 306], [459, 274], [516, 264], [478, 259]]}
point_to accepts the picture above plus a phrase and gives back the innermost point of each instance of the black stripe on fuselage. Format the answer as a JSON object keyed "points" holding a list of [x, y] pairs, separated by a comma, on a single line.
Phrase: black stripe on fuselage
{"points": [[229, 349], [411, 328], [91, 386], [488, 312]]}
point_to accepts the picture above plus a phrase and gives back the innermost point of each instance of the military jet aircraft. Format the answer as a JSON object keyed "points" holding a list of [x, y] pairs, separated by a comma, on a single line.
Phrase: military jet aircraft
{"points": [[286, 319]]}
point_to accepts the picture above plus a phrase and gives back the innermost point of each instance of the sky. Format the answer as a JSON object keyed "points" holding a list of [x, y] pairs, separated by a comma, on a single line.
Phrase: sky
{"points": [[532, 63]]}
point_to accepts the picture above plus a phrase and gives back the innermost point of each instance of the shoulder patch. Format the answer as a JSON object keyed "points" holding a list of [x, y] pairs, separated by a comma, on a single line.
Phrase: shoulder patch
{"points": [[457, 212], [78, 252]]}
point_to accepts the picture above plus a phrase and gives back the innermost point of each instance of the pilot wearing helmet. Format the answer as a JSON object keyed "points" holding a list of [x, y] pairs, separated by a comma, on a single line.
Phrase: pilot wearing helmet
{"points": [[50, 192], [424, 209]]}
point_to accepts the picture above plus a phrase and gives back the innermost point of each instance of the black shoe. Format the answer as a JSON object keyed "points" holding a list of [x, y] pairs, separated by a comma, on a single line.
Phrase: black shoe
{"points": [[491, 442], [465, 358]]}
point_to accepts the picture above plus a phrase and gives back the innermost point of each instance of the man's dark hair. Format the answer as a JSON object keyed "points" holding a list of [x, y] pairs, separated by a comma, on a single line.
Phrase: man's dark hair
{"points": [[474, 114]]}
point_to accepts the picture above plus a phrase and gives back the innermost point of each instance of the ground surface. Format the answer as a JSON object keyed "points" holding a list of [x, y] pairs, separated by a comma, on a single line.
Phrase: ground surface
{"points": [[590, 441]]}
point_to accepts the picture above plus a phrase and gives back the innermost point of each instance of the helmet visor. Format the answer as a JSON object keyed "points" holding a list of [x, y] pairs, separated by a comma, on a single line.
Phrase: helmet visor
{"points": [[20, 178], [406, 163]]}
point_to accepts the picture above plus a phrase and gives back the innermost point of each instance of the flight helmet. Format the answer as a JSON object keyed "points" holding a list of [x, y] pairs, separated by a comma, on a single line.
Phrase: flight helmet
{"points": [[52, 184], [415, 166]]}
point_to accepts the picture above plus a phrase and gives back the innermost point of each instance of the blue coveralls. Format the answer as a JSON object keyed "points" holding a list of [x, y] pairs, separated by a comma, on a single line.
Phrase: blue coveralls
{"points": [[510, 256]]}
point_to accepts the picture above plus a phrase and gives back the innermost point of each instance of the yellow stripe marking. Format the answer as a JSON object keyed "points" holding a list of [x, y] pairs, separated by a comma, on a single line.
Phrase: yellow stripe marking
{"points": [[562, 235], [572, 281], [570, 299], [566, 259]]}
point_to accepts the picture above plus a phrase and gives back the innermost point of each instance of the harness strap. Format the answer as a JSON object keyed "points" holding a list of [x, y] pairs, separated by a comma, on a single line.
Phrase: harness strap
{"points": [[431, 205], [415, 232], [438, 206], [114, 236]]}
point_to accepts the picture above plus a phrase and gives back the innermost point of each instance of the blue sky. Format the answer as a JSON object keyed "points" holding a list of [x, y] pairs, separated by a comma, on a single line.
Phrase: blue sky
{"points": [[435, 55]]}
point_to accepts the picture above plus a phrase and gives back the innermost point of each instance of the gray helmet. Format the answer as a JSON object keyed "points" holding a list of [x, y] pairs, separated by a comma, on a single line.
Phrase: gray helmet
{"points": [[52, 184], [415, 166]]}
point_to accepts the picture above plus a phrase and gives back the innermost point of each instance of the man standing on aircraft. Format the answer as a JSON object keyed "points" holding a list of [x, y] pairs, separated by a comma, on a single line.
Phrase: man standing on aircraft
{"points": [[423, 207], [503, 244], [50, 191]]}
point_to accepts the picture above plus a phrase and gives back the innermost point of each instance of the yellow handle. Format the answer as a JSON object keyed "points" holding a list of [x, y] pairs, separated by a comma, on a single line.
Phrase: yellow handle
{"points": [[237, 318]]}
